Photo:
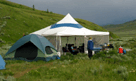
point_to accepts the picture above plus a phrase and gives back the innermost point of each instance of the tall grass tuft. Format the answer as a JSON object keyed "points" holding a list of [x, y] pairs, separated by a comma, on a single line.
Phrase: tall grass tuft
{"points": [[8, 73], [34, 73], [96, 71], [10, 78], [122, 71]]}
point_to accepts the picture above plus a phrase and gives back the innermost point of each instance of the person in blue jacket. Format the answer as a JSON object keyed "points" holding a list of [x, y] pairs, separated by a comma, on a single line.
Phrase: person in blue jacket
{"points": [[90, 46]]}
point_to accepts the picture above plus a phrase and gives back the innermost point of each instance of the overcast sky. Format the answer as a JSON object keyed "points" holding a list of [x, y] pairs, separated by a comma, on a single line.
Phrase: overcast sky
{"points": [[101, 12]]}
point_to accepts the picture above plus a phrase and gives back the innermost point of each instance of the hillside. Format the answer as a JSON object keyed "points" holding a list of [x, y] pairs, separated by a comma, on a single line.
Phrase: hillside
{"points": [[125, 29], [16, 19]]}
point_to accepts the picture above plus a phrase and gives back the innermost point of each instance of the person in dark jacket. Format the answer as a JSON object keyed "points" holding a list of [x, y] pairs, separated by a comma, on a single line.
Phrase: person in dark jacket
{"points": [[90, 46]]}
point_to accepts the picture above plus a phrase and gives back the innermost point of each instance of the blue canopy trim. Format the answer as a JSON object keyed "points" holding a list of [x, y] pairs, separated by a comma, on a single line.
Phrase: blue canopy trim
{"points": [[66, 24]]}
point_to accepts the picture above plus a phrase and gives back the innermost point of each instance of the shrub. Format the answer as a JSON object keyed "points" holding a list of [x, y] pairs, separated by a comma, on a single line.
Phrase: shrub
{"points": [[1, 74], [8, 73], [122, 71], [100, 69], [74, 61], [68, 56], [95, 70], [33, 7], [66, 62], [6, 47], [81, 57], [2, 78], [3, 25], [119, 40], [100, 54], [113, 35], [34, 73], [67, 75], [8, 17], [51, 12], [10, 78], [47, 11], [14, 61], [116, 58], [111, 52], [2, 33], [55, 62], [126, 58]]}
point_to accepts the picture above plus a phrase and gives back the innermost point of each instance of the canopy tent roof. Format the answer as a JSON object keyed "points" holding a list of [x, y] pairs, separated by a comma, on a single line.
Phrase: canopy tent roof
{"points": [[67, 27]]}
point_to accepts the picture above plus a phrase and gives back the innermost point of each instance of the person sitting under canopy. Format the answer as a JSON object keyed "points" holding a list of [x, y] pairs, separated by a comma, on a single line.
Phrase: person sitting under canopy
{"points": [[74, 50]]}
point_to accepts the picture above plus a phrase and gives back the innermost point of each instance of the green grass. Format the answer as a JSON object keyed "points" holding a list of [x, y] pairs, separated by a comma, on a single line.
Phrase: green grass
{"points": [[16, 19], [76, 68], [123, 30]]}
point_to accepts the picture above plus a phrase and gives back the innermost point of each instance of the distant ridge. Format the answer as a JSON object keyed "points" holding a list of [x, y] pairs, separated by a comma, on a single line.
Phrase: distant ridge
{"points": [[125, 29]]}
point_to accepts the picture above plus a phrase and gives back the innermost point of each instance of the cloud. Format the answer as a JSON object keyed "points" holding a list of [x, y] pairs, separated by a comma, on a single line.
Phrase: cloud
{"points": [[98, 11]]}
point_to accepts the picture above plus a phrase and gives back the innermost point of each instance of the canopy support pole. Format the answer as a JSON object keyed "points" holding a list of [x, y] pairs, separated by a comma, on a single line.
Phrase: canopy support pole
{"points": [[67, 40], [60, 44], [108, 39], [75, 40], [84, 44], [56, 42]]}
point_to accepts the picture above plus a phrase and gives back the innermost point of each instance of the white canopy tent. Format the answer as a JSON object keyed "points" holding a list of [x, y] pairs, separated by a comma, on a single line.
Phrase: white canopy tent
{"points": [[69, 27]]}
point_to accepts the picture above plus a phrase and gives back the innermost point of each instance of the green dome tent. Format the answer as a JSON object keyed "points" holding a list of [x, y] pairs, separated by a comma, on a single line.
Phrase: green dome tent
{"points": [[32, 47]]}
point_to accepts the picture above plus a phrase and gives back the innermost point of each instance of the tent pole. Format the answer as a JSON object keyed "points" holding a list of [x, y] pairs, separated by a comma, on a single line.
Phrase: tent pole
{"points": [[67, 40], [56, 43], [84, 44], [108, 38], [75, 40], [60, 44]]}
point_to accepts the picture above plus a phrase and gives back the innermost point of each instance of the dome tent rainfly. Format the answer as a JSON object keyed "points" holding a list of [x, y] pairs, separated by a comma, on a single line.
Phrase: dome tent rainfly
{"points": [[69, 27], [2, 63], [32, 47]]}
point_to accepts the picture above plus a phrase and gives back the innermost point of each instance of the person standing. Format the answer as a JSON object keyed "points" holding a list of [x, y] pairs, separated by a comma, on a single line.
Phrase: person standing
{"points": [[90, 46]]}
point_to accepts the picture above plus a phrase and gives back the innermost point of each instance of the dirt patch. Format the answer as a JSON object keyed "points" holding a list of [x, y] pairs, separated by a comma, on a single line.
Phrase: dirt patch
{"points": [[17, 64], [19, 74]]}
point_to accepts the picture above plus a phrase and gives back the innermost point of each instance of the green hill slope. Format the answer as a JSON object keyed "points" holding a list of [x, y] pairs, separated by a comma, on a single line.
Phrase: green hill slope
{"points": [[16, 19], [125, 29]]}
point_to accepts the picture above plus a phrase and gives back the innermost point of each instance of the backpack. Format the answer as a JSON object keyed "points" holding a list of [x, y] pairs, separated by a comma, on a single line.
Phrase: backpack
{"points": [[58, 57], [124, 51]]}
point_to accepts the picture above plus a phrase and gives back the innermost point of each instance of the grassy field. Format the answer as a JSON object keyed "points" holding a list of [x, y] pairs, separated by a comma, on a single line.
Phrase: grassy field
{"points": [[104, 66]]}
